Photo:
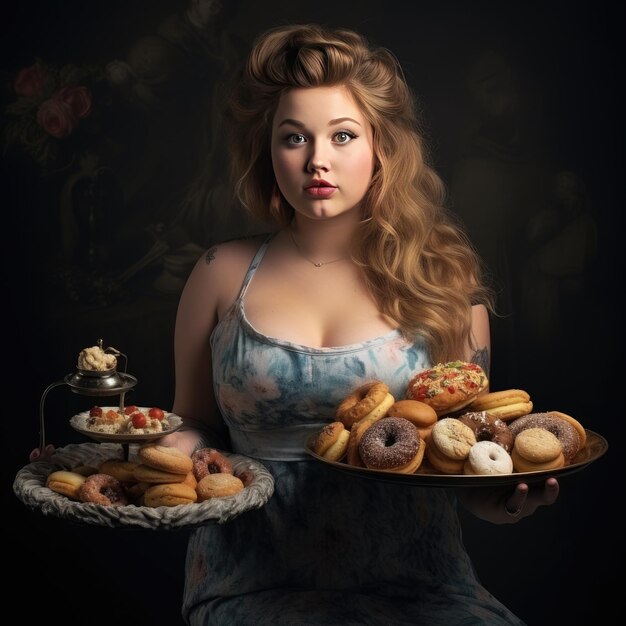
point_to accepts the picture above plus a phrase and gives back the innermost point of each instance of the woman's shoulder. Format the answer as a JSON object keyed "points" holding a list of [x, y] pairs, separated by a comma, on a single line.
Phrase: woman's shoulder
{"points": [[231, 257], [221, 269], [234, 250]]}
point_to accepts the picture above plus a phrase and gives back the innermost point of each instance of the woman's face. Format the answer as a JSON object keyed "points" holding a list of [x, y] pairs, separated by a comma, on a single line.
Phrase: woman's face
{"points": [[322, 151]]}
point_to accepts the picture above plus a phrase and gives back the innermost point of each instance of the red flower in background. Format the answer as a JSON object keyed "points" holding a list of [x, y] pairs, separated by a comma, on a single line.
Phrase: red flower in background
{"points": [[77, 97], [50, 104], [56, 118], [59, 114], [30, 81]]}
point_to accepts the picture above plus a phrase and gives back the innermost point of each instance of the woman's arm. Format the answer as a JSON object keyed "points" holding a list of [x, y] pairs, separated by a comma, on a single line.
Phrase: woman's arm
{"points": [[196, 318], [478, 349], [500, 506]]}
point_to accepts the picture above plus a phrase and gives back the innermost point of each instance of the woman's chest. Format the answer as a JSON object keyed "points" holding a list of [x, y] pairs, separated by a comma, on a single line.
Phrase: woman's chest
{"points": [[321, 309]]}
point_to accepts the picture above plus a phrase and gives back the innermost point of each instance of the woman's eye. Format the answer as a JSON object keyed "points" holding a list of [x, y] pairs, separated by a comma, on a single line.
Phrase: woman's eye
{"points": [[344, 136], [296, 139]]}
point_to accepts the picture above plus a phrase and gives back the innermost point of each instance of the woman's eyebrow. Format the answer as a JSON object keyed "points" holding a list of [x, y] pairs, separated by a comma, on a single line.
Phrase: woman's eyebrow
{"points": [[339, 120]]}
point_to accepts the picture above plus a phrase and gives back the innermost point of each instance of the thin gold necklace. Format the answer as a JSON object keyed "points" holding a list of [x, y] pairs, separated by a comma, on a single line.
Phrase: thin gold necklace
{"points": [[306, 258]]}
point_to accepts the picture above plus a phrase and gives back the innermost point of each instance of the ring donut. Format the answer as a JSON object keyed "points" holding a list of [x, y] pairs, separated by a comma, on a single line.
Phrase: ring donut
{"points": [[564, 431], [356, 433], [392, 444], [582, 433], [102, 489], [487, 427], [362, 402], [332, 441], [488, 457], [209, 461]]}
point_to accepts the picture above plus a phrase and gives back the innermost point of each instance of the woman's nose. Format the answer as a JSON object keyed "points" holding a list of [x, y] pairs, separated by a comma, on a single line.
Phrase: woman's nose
{"points": [[318, 160]]}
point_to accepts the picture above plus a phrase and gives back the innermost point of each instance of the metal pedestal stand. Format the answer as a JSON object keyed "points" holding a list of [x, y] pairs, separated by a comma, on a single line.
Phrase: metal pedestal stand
{"points": [[92, 383]]}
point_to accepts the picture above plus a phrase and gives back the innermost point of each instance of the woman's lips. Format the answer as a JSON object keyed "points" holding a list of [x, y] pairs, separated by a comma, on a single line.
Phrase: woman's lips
{"points": [[320, 190]]}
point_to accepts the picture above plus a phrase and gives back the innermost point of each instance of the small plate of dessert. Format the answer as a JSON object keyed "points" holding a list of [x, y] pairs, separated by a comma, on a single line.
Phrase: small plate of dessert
{"points": [[132, 424]]}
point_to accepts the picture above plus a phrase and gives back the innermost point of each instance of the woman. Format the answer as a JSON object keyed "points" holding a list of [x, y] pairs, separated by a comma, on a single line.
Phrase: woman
{"points": [[366, 277]]}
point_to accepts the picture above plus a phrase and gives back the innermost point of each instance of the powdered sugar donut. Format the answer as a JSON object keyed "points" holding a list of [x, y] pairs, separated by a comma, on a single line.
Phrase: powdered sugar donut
{"points": [[487, 457]]}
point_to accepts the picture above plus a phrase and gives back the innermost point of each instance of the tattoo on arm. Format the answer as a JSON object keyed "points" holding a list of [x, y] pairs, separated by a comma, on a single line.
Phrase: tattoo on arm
{"points": [[210, 255], [481, 357]]}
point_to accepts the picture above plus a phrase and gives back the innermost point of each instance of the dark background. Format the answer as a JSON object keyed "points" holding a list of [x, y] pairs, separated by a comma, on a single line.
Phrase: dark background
{"points": [[515, 96]]}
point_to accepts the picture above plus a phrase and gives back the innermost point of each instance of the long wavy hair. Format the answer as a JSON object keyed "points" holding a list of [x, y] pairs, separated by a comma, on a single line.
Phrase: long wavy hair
{"points": [[417, 261]]}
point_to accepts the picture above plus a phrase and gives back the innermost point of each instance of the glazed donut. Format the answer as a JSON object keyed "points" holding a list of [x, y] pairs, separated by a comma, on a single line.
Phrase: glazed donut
{"points": [[209, 461], [332, 441], [486, 427], [373, 396], [171, 494], [124, 471], [564, 431], [66, 483], [218, 486], [448, 387], [488, 457], [102, 489], [507, 405], [392, 444], [166, 458]]}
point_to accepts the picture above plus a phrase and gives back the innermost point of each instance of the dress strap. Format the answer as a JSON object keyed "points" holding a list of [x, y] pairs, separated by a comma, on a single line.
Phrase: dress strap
{"points": [[256, 261]]}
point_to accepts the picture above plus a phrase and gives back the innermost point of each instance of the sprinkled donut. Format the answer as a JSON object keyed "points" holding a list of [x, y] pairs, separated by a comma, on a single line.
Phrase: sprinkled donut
{"points": [[209, 461], [486, 427], [564, 431], [488, 457], [102, 489], [390, 444]]}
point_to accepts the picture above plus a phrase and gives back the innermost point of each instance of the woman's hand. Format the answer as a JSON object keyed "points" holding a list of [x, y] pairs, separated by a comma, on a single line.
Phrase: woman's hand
{"points": [[186, 441], [506, 507], [39, 455]]}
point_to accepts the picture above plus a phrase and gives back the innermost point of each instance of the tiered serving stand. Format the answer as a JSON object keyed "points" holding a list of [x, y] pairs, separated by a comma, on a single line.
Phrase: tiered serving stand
{"points": [[30, 482], [93, 383]]}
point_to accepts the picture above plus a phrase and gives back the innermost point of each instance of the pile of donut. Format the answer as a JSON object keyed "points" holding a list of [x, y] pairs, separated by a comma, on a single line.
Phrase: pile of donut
{"points": [[448, 424], [161, 476]]}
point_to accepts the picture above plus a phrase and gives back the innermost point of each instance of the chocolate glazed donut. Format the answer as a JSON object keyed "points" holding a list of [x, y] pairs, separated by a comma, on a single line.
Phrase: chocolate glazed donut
{"points": [[390, 443]]}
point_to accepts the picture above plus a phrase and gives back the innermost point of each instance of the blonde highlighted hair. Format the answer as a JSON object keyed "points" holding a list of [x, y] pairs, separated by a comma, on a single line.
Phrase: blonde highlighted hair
{"points": [[417, 262]]}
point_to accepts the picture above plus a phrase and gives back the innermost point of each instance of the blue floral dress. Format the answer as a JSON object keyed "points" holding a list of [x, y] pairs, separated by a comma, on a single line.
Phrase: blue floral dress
{"points": [[328, 547]]}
